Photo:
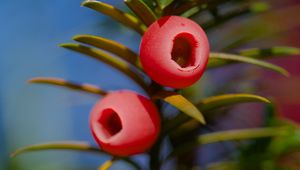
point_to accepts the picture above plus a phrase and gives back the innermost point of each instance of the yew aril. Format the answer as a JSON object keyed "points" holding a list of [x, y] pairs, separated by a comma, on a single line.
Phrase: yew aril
{"points": [[124, 123], [174, 51]]}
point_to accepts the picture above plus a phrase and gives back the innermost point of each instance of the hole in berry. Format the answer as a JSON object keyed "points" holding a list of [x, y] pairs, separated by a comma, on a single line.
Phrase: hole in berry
{"points": [[183, 50], [111, 122]]}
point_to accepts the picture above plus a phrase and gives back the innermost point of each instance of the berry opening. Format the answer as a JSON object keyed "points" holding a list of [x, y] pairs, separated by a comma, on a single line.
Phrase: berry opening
{"points": [[183, 50], [111, 123]]}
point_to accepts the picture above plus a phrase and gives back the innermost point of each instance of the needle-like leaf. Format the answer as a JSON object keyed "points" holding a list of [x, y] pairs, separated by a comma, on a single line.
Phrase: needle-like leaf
{"points": [[165, 3], [122, 17], [181, 103], [108, 59], [76, 146], [220, 59], [109, 45], [67, 84], [212, 103], [240, 134], [215, 102], [67, 145], [142, 11], [107, 164], [277, 51], [184, 6]]}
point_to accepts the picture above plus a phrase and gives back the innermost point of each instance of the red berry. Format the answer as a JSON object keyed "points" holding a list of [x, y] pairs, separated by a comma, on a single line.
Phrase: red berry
{"points": [[174, 51], [124, 123]]}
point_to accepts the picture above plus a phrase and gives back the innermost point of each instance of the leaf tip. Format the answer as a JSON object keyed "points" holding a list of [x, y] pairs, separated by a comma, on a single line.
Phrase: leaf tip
{"points": [[200, 118], [260, 98], [30, 81], [37, 80], [266, 100], [15, 153], [62, 45], [202, 121], [83, 38], [77, 37], [286, 73], [87, 3], [66, 45]]}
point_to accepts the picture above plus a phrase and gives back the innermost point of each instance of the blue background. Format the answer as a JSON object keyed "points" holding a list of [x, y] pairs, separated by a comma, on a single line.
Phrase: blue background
{"points": [[30, 114]]}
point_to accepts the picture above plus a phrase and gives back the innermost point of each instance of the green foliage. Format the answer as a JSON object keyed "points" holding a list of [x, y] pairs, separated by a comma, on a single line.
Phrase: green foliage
{"points": [[67, 84], [164, 3], [270, 52], [106, 165], [227, 136], [266, 153], [216, 102], [142, 11], [220, 59], [182, 104], [265, 146], [79, 146], [108, 59], [72, 146], [122, 17], [254, 155], [108, 45], [211, 103], [287, 144]]}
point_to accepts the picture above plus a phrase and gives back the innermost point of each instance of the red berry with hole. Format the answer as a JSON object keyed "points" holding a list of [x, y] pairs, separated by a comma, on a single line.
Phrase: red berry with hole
{"points": [[124, 123], [174, 51]]}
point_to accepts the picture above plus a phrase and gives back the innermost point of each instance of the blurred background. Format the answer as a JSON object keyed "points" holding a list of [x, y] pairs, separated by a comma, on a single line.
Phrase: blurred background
{"points": [[30, 114]]}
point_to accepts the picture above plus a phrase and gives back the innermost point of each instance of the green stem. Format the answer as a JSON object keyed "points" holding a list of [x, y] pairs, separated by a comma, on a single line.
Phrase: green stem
{"points": [[155, 163], [157, 8], [154, 157]]}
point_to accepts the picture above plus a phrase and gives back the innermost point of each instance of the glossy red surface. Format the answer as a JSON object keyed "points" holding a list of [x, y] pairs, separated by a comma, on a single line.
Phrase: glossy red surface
{"points": [[125, 123], [174, 51]]}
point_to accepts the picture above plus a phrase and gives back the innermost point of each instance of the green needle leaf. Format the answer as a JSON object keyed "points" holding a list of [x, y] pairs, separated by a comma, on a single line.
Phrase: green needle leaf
{"points": [[215, 102], [108, 59], [79, 146], [212, 103], [241, 134], [165, 3], [122, 17], [270, 52], [220, 59], [107, 164], [67, 145], [181, 103], [142, 11], [67, 84], [109, 45]]}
